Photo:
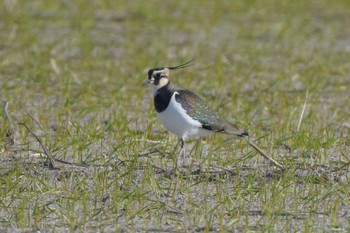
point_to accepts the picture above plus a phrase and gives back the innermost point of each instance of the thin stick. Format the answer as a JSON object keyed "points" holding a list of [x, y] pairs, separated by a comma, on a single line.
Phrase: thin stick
{"points": [[33, 118], [51, 160], [11, 131], [274, 162], [303, 109], [54, 66]]}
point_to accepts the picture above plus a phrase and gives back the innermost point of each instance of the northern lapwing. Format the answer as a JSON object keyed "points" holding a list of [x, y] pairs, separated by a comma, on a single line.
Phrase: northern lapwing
{"points": [[185, 114]]}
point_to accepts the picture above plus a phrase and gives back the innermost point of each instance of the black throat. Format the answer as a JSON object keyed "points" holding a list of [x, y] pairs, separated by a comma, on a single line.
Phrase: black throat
{"points": [[162, 98]]}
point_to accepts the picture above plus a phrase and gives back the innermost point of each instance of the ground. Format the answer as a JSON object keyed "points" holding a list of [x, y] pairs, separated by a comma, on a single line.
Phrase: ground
{"points": [[82, 149]]}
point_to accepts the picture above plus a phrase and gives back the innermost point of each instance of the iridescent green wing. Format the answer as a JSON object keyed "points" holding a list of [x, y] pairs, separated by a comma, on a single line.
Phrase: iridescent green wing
{"points": [[199, 110]]}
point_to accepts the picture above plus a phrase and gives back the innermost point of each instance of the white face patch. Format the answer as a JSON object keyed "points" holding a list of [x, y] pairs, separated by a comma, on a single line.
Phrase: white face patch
{"points": [[162, 82]]}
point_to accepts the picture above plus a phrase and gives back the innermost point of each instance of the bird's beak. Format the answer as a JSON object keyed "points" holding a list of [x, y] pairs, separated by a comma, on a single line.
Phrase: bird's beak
{"points": [[145, 83]]}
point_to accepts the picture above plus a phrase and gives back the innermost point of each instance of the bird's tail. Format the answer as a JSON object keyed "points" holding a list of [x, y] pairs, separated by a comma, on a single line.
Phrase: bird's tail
{"points": [[234, 129]]}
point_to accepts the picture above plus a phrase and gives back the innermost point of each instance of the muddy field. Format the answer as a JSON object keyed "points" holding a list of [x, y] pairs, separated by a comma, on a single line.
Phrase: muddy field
{"points": [[82, 149]]}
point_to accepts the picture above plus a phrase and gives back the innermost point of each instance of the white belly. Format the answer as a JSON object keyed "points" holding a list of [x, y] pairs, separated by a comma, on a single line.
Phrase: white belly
{"points": [[175, 119]]}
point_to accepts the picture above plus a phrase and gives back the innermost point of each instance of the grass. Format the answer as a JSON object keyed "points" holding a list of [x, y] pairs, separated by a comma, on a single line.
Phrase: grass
{"points": [[72, 72]]}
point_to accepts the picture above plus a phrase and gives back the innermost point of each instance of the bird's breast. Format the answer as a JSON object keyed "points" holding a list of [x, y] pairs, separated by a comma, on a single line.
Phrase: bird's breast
{"points": [[161, 100]]}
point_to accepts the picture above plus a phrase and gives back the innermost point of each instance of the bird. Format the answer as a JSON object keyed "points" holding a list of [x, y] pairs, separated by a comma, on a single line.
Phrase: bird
{"points": [[185, 114]]}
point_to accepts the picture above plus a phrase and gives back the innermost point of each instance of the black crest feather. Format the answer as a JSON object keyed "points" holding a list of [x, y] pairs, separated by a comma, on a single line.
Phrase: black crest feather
{"points": [[186, 64]]}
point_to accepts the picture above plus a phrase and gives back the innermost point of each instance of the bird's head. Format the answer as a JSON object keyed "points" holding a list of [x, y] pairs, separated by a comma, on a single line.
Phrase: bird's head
{"points": [[159, 77]]}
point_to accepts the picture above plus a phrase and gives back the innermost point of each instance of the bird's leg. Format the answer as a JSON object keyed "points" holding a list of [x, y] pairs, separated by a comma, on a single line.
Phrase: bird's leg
{"points": [[175, 147], [203, 151], [195, 147], [182, 151], [181, 156]]}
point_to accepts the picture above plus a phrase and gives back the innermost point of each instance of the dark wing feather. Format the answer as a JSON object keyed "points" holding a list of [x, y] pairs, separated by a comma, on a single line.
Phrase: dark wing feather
{"points": [[200, 111]]}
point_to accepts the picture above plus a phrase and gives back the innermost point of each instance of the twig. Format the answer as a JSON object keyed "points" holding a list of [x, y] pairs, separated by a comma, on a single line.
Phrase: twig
{"points": [[10, 135], [232, 171], [150, 141], [51, 161], [274, 162], [33, 118], [54, 66], [13, 32], [303, 109]]}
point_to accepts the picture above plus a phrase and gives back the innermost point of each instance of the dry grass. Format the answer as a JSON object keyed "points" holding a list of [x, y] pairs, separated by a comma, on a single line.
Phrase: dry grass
{"points": [[72, 73]]}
